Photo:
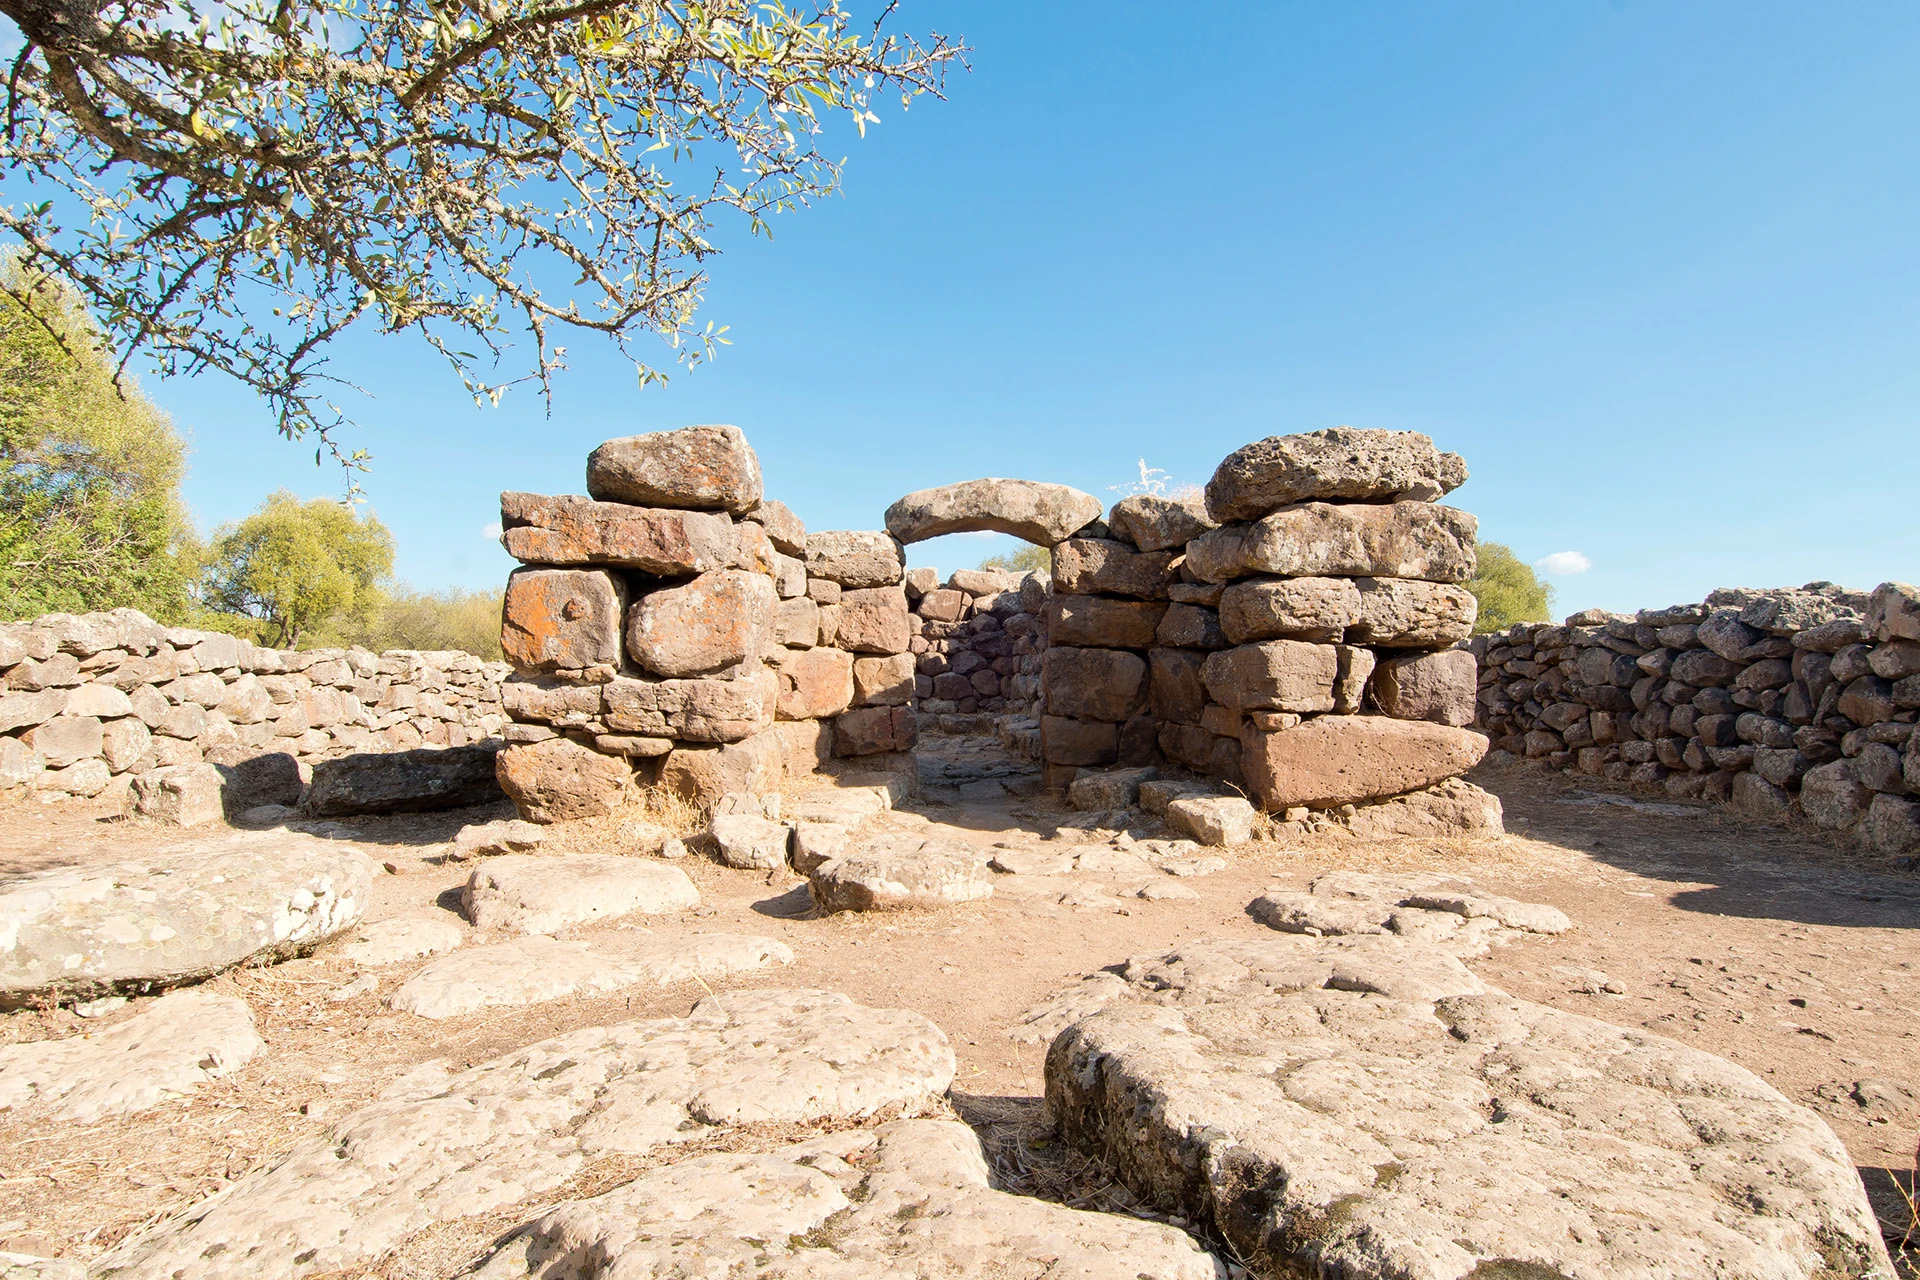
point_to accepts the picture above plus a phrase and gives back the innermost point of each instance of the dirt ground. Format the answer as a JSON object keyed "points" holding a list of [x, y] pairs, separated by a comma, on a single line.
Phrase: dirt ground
{"points": [[1794, 958]]}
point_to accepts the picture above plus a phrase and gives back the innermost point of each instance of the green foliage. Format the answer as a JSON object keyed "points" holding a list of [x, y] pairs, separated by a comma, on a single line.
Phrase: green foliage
{"points": [[1028, 559], [297, 565], [411, 619], [1508, 590], [90, 509]]}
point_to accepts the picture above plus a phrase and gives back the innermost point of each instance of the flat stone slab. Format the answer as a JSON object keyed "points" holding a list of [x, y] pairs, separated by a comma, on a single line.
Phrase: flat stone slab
{"points": [[177, 1043], [1383, 1121], [440, 1147], [178, 916], [910, 1198], [1039, 513], [537, 968], [1443, 910], [900, 877], [532, 894], [402, 938]]}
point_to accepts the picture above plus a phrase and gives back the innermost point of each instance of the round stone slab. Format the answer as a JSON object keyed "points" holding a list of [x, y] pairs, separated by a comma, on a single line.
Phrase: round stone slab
{"points": [[1363, 1126], [180, 1041], [910, 1198], [196, 909], [442, 1147]]}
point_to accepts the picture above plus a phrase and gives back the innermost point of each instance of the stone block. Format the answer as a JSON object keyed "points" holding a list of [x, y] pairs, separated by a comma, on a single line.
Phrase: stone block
{"points": [[1275, 675], [815, 684], [718, 620], [786, 530], [562, 619], [698, 710], [1078, 742], [1427, 686], [1190, 626], [883, 681], [407, 781], [1892, 826], [559, 780], [796, 623], [1831, 798], [1175, 689], [181, 795], [705, 468], [1339, 463], [854, 559], [1298, 608], [1318, 539], [702, 775], [1218, 821], [868, 731], [66, 740], [1101, 622], [1108, 788], [873, 620], [750, 842], [1403, 613], [944, 605], [1089, 566], [1153, 523], [571, 530], [753, 551], [1893, 612], [1094, 684], [1333, 760], [1034, 512], [20, 765]]}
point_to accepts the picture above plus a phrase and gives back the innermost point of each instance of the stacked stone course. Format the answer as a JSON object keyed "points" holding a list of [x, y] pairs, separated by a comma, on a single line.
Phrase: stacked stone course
{"points": [[1794, 704], [978, 650], [677, 628], [98, 701]]}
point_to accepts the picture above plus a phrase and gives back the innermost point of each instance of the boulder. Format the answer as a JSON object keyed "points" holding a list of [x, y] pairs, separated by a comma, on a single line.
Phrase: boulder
{"points": [[1190, 626], [702, 775], [1365, 1107], [899, 878], [1276, 675], [20, 764], [1892, 825], [529, 893], [706, 709], [571, 530], [1101, 622], [1440, 687], [816, 842], [720, 619], [706, 468], [854, 558], [180, 795], [1318, 539], [173, 1045], [1341, 463], [1452, 808], [815, 684], [1831, 798], [250, 777], [66, 740], [1108, 788], [1893, 612], [558, 780], [874, 620], [407, 781], [1039, 513], [1093, 684], [869, 731], [1219, 821], [909, 1198], [1088, 566], [562, 619], [1403, 613], [1300, 608], [750, 842], [1153, 523], [883, 681], [1334, 760], [201, 908], [784, 529], [441, 1146], [536, 969]]}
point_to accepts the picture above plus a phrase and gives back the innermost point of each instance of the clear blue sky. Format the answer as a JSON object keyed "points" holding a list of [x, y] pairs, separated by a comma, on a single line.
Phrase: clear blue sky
{"points": [[1654, 268]]}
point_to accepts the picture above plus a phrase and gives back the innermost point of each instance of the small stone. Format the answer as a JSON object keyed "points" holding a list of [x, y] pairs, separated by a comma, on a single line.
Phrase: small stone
{"points": [[1219, 821], [750, 842]]}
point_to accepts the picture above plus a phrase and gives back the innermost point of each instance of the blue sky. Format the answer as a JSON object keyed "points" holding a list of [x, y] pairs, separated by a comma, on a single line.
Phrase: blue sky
{"points": [[1654, 268]]}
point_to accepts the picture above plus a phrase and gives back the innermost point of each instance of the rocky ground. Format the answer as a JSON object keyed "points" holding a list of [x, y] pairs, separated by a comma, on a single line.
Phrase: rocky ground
{"points": [[1784, 954]]}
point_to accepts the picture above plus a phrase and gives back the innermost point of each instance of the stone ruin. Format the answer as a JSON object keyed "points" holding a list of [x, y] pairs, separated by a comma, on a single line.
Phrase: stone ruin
{"points": [[1293, 635]]}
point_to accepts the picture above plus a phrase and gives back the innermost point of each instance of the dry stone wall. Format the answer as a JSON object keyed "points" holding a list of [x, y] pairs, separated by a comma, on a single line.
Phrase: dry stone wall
{"points": [[979, 642], [90, 703], [1790, 705]]}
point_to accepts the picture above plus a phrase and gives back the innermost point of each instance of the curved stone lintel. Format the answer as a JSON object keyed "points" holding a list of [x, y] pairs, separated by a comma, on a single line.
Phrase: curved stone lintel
{"points": [[1039, 513]]}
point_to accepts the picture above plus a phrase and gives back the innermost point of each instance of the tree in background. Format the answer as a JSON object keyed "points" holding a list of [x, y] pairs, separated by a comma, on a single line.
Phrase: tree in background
{"points": [[236, 183], [1508, 590], [411, 619], [90, 509], [294, 566], [1028, 559]]}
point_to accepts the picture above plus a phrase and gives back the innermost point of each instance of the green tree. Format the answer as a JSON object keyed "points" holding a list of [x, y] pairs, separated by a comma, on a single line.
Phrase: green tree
{"points": [[296, 566], [235, 183], [1028, 559], [1508, 590], [90, 508], [412, 619]]}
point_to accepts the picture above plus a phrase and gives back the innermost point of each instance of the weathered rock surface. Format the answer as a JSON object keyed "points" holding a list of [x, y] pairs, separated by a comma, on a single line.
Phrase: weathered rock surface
{"points": [[855, 558], [1332, 760], [1301, 608], [1451, 808], [1101, 622], [814, 684], [874, 620], [402, 938], [750, 842], [1440, 910], [1218, 821], [571, 530], [1365, 1107], [1319, 539], [181, 795], [867, 731], [403, 781], [1026, 509], [533, 894], [536, 968], [698, 710], [1427, 686], [899, 876], [1090, 566], [1405, 613], [180, 1041], [1154, 523], [910, 1198], [191, 911], [562, 619], [1340, 463], [443, 1146], [558, 780], [1275, 675], [709, 468], [720, 619], [1094, 684], [784, 529]]}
